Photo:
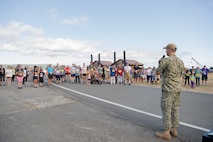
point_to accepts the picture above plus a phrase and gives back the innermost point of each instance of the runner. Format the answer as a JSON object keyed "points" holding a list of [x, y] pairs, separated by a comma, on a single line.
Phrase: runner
{"points": [[41, 77], [67, 73], [73, 70], [35, 76], [62, 72], [77, 74], [50, 74], [57, 75], [83, 73]]}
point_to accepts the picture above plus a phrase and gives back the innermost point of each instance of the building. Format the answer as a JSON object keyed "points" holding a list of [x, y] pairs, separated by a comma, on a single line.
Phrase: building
{"points": [[103, 63], [128, 61]]}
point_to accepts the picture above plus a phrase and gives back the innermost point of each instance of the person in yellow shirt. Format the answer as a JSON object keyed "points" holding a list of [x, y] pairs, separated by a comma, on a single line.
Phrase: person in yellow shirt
{"points": [[192, 79]]}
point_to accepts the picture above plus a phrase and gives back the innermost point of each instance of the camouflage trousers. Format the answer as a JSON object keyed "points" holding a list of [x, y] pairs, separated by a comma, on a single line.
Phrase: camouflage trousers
{"points": [[170, 103]]}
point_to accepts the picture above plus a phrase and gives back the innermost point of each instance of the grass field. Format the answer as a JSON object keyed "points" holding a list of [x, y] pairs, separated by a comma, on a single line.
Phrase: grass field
{"points": [[206, 89]]}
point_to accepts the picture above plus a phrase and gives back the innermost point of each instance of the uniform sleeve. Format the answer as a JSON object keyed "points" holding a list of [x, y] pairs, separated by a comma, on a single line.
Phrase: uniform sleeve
{"points": [[161, 66]]}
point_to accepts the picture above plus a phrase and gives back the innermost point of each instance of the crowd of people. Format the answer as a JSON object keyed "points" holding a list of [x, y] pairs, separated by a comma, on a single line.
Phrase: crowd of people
{"points": [[90, 74], [21, 75], [193, 76]]}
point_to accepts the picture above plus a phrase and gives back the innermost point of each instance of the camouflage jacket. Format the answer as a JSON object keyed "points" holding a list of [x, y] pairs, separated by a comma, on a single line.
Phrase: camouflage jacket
{"points": [[171, 69]]}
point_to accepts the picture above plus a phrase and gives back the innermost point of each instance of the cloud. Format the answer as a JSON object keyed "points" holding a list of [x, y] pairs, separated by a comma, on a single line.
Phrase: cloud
{"points": [[28, 40], [75, 21], [15, 29]]}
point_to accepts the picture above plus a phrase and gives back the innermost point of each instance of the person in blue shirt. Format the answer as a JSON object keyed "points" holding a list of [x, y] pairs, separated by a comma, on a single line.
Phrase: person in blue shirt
{"points": [[197, 76], [112, 74], [192, 79], [205, 72], [50, 74]]}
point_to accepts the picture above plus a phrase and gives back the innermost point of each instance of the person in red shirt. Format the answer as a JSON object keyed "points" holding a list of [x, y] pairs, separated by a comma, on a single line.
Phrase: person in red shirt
{"points": [[119, 74], [67, 72]]}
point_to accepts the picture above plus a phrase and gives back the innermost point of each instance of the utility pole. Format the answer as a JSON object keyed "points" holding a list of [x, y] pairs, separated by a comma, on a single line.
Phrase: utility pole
{"points": [[197, 62], [99, 59], [114, 57], [91, 58], [124, 58]]}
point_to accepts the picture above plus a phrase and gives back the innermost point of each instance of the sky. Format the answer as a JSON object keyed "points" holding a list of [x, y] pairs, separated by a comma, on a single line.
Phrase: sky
{"points": [[70, 31]]}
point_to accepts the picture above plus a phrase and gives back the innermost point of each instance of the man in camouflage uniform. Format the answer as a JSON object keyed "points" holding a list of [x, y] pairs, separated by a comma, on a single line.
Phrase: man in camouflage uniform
{"points": [[171, 68]]}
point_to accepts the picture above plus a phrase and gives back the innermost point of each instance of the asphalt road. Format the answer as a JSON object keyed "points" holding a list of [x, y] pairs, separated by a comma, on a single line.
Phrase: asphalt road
{"points": [[141, 105], [96, 113]]}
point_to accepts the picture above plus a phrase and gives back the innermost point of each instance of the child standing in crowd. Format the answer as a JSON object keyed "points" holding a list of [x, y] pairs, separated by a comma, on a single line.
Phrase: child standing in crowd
{"points": [[41, 77], [20, 76], [192, 79]]}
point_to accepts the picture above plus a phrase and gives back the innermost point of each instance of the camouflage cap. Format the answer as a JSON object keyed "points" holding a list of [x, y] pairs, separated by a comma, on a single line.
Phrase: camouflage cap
{"points": [[171, 46]]}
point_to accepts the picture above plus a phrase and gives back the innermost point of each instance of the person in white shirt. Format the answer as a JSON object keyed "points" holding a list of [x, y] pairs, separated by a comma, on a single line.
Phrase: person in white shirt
{"points": [[149, 74], [73, 70], [127, 70], [83, 73], [9, 74]]}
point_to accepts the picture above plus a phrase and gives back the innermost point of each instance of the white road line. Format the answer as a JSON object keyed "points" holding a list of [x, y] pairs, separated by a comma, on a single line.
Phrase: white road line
{"points": [[129, 108]]}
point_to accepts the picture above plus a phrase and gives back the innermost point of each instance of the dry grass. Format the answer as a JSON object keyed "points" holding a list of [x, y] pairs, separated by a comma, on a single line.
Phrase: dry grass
{"points": [[205, 89]]}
